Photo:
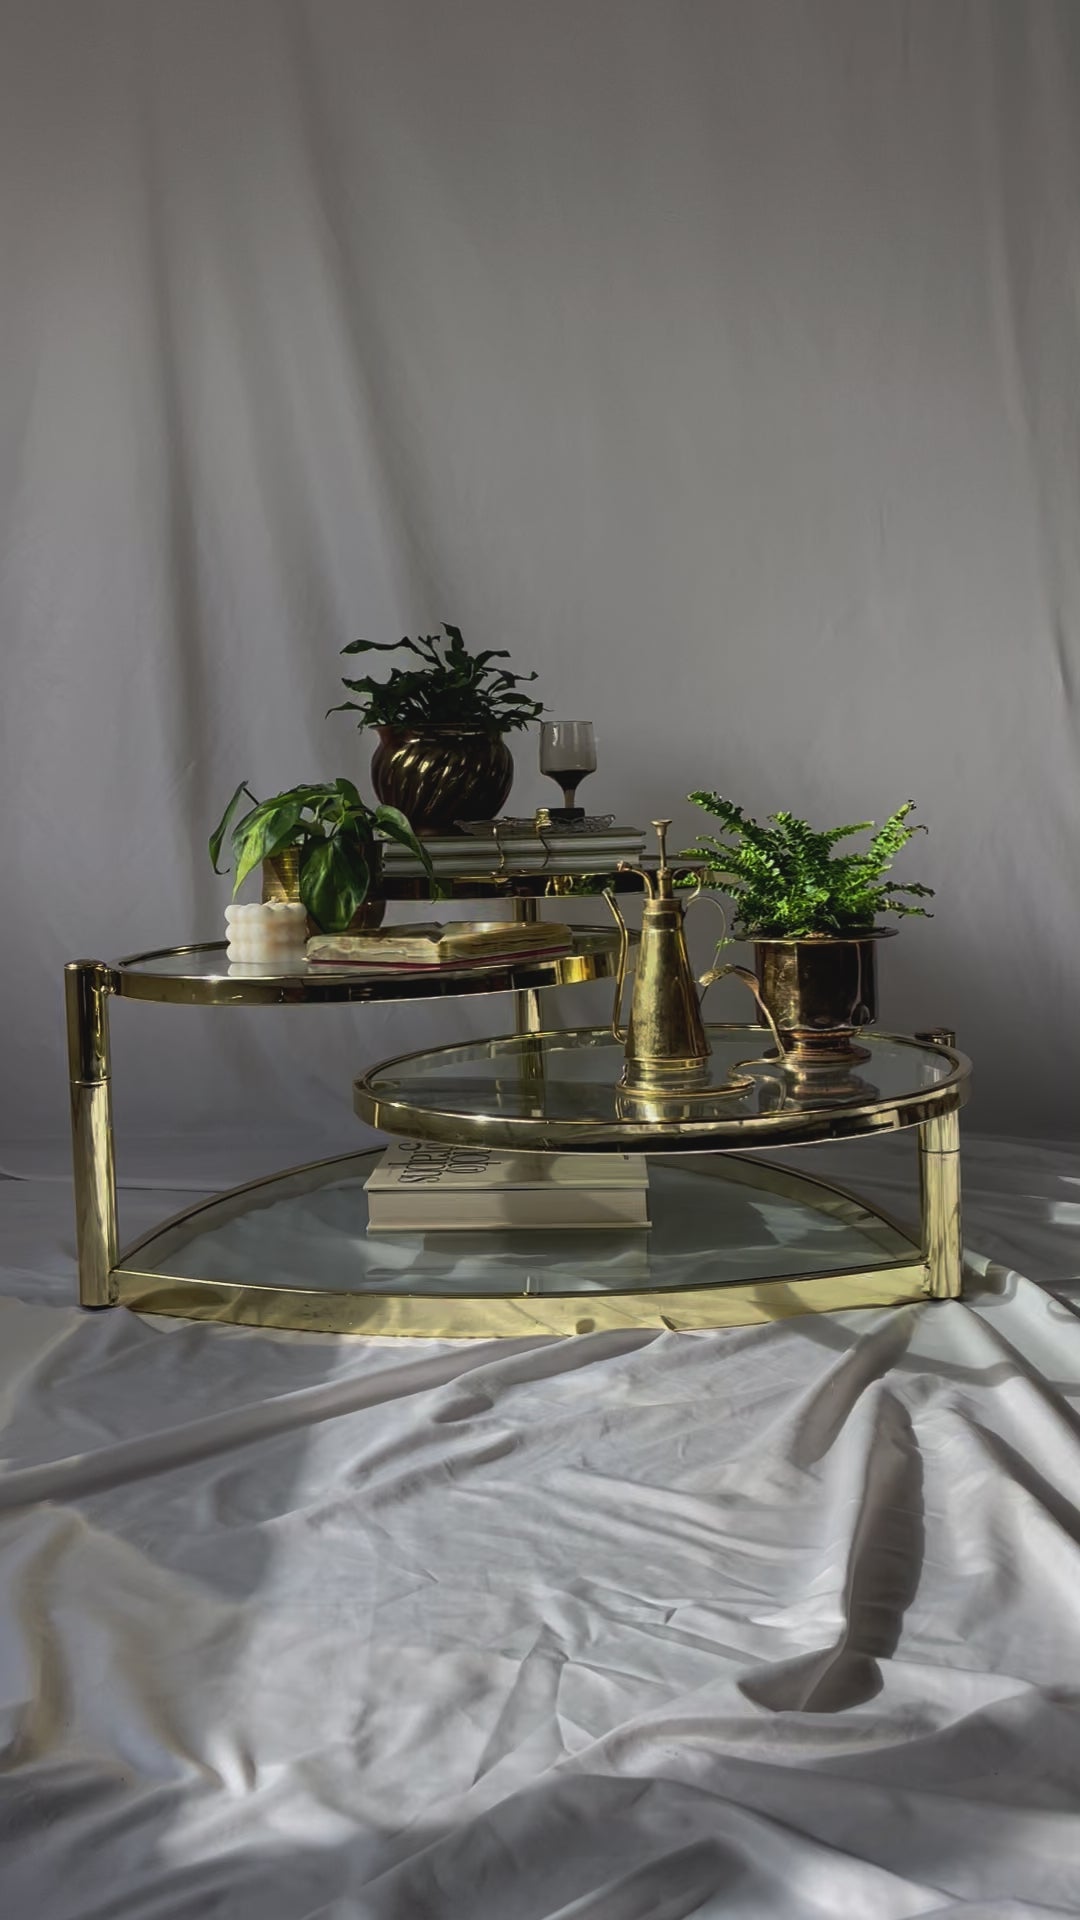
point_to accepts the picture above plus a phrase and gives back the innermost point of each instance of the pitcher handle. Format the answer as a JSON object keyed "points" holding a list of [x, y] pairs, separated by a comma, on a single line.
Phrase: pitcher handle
{"points": [[617, 1031], [749, 980]]}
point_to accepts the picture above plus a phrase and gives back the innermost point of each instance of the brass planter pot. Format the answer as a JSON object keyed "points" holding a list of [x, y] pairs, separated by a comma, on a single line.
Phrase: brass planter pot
{"points": [[281, 881], [439, 775], [820, 991]]}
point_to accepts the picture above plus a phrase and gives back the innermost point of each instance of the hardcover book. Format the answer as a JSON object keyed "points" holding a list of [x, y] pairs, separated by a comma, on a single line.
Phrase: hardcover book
{"points": [[420, 1187], [565, 852], [453, 943]]}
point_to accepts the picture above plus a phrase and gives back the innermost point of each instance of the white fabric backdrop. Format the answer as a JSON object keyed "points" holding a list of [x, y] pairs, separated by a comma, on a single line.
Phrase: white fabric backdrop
{"points": [[720, 358]]}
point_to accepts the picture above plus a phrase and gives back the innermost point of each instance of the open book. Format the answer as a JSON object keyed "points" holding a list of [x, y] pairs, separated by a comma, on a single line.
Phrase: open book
{"points": [[453, 943]]}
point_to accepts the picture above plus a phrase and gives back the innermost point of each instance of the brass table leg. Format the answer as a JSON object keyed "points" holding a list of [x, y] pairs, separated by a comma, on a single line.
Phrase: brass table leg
{"points": [[87, 986], [939, 1190], [527, 1001]]}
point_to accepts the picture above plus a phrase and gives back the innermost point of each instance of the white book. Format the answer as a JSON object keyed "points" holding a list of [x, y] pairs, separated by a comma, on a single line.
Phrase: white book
{"points": [[534, 837], [476, 852], [419, 1187], [488, 861]]}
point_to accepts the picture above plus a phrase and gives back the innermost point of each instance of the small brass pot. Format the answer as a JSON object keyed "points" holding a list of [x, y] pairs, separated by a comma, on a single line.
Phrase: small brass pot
{"points": [[281, 881], [820, 990], [439, 775]]}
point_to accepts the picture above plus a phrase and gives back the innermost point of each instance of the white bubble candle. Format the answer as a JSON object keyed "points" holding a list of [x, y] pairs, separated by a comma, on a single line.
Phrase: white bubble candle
{"points": [[269, 933]]}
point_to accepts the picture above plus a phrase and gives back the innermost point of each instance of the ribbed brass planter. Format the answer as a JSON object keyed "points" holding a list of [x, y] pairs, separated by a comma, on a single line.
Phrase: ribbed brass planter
{"points": [[820, 990], [439, 775], [281, 881]]}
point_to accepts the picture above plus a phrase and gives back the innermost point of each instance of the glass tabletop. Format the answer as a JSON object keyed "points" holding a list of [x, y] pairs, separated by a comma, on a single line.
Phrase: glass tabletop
{"points": [[556, 1091], [713, 1222], [202, 976]]}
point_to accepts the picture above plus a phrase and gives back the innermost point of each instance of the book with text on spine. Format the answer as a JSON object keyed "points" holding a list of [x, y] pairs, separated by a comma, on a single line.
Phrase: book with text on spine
{"points": [[421, 1187]]}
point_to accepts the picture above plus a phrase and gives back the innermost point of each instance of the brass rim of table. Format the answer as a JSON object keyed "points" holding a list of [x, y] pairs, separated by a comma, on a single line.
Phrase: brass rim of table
{"points": [[594, 957]]}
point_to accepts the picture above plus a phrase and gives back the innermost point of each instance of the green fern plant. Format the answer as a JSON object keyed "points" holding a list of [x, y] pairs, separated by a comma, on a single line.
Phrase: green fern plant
{"points": [[787, 881]]}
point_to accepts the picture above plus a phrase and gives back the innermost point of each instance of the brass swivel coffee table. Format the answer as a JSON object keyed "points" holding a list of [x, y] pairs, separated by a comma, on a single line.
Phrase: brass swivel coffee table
{"points": [[733, 1240]]}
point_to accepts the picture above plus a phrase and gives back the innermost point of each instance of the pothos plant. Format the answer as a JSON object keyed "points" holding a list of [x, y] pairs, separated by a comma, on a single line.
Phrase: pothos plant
{"points": [[787, 881], [451, 687], [337, 835]]}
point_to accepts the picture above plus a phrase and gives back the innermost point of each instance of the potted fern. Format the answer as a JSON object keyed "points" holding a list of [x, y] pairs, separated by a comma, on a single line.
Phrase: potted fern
{"points": [[442, 754], [319, 844], [812, 915]]}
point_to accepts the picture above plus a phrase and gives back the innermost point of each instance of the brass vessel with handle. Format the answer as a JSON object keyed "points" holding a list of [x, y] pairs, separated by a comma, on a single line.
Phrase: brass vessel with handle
{"points": [[666, 1046]]}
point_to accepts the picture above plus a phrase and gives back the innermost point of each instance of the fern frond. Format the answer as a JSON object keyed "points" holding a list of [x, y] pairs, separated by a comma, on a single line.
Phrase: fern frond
{"points": [[833, 835]]}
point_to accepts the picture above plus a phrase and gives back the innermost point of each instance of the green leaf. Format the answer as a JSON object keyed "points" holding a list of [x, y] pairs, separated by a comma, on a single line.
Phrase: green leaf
{"points": [[350, 794], [267, 832], [378, 646], [334, 881], [306, 793], [392, 822], [218, 835]]}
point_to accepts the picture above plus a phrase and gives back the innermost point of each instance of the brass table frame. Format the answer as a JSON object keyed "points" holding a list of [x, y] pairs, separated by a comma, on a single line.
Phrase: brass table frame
{"points": [[899, 1276], [89, 985], [931, 1269]]}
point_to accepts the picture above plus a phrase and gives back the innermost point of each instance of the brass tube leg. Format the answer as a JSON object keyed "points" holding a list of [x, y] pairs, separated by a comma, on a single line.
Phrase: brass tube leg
{"points": [[527, 1001], [87, 986], [939, 1189]]}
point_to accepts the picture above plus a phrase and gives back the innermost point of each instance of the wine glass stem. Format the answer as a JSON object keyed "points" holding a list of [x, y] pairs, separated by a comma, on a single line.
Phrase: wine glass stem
{"points": [[568, 793]]}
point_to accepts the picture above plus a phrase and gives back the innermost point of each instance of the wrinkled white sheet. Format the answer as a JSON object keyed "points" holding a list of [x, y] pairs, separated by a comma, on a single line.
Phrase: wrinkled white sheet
{"points": [[770, 1622]]}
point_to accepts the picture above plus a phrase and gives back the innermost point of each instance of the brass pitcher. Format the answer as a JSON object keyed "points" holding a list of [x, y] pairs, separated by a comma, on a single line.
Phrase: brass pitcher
{"points": [[667, 1048]]}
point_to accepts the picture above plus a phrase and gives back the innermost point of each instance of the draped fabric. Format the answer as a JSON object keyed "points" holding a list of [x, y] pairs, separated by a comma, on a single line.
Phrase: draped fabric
{"points": [[776, 1621], [720, 359]]}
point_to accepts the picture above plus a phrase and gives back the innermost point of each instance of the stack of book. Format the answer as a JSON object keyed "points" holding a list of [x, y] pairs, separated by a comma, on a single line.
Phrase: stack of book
{"points": [[452, 943], [418, 1188], [520, 850]]}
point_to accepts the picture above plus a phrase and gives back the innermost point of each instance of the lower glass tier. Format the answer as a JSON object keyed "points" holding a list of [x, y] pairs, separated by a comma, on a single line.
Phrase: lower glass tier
{"points": [[717, 1221]]}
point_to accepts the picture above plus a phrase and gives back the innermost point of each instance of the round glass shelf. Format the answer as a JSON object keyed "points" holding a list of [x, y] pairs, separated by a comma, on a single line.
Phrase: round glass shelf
{"points": [[729, 1240], [558, 1091], [202, 976]]}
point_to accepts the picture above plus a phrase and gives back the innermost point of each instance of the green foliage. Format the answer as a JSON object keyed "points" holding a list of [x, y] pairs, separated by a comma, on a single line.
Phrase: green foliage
{"points": [[788, 882], [452, 688], [338, 836]]}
